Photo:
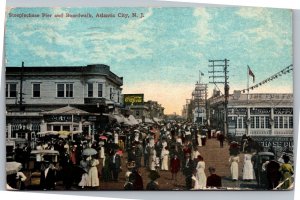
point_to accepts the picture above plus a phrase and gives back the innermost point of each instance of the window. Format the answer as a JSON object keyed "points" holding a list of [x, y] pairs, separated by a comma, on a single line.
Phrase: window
{"points": [[60, 90], [118, 97], [290, 122], [280, 122], [56, 128], [268, 125], [36, 90], [69, 90], [100, 89], [285, 122], [262, 122], [257, 122], [90, 89], [65, 90], [11, 90], [111, 95], [240, 122], [252, 122]]}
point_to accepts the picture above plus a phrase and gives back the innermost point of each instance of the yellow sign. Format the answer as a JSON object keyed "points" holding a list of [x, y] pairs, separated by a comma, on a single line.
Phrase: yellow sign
{"points": [[131, 99]]}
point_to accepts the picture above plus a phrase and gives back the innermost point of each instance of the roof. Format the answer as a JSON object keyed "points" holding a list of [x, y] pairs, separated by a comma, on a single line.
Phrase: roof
{"points": [[67, 110]]}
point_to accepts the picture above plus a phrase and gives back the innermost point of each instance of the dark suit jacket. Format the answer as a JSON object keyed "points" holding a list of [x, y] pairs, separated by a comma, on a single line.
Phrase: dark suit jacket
{"points": [[214, 181], [188, 167], [117, 163], [48, 182]]}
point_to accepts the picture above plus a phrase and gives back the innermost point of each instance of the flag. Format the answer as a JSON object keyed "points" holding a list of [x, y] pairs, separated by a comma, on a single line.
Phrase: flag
{"points": [[251, 74]]}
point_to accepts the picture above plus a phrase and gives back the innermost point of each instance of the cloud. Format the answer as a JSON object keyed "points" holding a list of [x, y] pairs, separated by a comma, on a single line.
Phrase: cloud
{"points": [[268, 27], [202, 28], [131, 41]]}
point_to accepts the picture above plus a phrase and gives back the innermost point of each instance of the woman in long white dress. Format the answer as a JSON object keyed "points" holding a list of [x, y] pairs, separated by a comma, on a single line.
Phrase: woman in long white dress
{"points": [[153, 160], [165, 159], [199, 140], [234, 167], [93, 173], [200, 174], [85, 177], [248, 168]]}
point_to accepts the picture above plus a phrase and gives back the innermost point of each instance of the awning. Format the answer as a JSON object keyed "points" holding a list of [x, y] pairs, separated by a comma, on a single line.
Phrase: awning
{"points": [[147, 120], [12, 167], [68, 110]]}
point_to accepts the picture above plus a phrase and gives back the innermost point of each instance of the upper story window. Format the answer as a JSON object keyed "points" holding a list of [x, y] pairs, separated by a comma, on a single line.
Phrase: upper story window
{"points": [[64, 90], [100, 90], [90, 89], [111, 94], [11, 90], [36, 90]]}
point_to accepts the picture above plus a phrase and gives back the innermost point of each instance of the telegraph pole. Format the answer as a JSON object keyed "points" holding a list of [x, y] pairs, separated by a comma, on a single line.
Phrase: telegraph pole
{"points": [[22, 108], [220, 76]]}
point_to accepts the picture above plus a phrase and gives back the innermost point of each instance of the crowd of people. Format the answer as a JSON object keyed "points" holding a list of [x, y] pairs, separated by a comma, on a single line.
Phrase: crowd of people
{"points": [[85, 162]]}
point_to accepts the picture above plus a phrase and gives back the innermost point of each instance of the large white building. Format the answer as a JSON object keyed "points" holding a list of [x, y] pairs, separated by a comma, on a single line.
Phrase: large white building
{"points": [[267, 117], [41, 99]]}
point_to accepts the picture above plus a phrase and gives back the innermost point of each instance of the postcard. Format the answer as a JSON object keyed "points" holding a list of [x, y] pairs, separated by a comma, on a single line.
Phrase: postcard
{"points": [[149, 98]]}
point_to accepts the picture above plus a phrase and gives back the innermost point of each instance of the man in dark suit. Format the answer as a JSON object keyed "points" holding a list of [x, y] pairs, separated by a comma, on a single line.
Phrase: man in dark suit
{"points": [[188, 169], [48, 178], [213, 180], [115, 165], [273, 174]]}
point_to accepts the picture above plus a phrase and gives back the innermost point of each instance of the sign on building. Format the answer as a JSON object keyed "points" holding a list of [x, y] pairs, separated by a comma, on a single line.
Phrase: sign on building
{"points": [[133, 99]]}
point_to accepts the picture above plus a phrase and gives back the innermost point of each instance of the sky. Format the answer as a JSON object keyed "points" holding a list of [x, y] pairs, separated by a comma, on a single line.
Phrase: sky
{"points": [[161, 53]]}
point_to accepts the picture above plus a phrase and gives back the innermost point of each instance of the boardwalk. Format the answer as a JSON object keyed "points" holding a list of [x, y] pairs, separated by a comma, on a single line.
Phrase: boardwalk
{"points": [[213, 156]]}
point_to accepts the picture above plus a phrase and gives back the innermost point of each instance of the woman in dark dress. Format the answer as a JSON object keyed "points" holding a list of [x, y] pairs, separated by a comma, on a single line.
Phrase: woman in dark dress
{"points": [[175, 166]]}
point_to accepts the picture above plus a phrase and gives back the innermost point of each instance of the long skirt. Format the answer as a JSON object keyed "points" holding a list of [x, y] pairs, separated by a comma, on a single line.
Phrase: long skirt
{"points": [[93, 177], [234, 168]]}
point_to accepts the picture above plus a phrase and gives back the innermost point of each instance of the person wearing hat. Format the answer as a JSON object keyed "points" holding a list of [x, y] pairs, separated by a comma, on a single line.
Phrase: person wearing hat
{"points": [[48, 178], [213, 180], [234, 167], [188, 169], [175, 166], [129, 184], [287, 171], [153, 184], [115, 165], [128, 178]]}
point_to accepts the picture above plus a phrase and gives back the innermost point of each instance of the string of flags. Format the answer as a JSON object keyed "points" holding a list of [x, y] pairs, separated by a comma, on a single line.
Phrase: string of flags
{"points": [[286, 70]]}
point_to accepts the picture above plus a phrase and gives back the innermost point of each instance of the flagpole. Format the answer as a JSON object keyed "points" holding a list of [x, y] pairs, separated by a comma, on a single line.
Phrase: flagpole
{"points": [[248, 83], [199, 76]]}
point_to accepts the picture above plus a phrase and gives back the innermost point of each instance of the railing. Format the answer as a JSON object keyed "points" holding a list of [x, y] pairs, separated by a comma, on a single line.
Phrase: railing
{"points": [[284, 132]]}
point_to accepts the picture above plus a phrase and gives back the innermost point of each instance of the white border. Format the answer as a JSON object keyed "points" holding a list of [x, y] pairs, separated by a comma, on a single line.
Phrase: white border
{"points": [[286, 195]]}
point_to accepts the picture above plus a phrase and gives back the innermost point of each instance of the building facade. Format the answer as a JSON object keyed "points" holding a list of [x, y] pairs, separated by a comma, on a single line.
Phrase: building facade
{"points": [[267, 117], [32, 93]]}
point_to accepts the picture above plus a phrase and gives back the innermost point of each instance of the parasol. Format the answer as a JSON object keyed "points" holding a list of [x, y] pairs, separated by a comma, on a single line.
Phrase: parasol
{"points": [[43, 133], [45, 152], [108, 133], [120, 152], [89, 152], [12, 167], [103, 137], [64, 133]]}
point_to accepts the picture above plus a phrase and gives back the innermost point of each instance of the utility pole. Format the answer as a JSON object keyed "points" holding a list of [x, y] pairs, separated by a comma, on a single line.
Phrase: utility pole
{"points": [[22, 108], [220, 76]]}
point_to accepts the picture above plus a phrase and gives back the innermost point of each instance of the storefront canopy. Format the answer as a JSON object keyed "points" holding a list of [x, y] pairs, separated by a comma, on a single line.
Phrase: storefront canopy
{"points": [[67, 110]]}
